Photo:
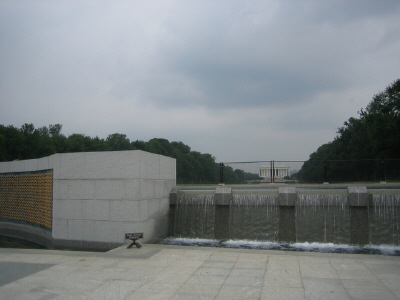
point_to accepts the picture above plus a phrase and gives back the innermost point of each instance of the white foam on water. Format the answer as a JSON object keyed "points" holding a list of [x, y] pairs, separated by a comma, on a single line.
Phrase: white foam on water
{"points": [[384, 249], [250, 244], [323, 246], [190, 242], [307, 247]]}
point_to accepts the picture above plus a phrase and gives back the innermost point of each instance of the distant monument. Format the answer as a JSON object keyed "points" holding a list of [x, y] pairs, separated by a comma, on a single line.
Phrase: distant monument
{"points": [[277, 171]]}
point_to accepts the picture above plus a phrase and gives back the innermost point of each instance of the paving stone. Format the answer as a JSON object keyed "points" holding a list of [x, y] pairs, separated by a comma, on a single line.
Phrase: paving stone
{"points": [[318, 271], [173, 272], [283, 278], [183, 269], [361, 283], [206, 279], [390, 281], [384, 269], [248, 272], [180, 296], [396, 292], [16, 290], [324, 288], [239, 292], [366, 274], [370, 294], [157, 287], [250, 265], [11, 271], [348, 265], [148, 296], [207, 290], [279, 293], [283, 261], [244, 281], [250, 257], [218, 264], [166, 276], [212, 271], [224, 256], [114, 290], [188, 263]]}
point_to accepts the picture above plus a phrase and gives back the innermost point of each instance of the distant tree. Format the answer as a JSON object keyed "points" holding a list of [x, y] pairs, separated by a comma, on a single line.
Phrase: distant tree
{"points": [[78, 143], [27, 129], [192, 166], [138, 145], [36, 142], [11, 143], [55, 129], [118, 141], [382, 121], [375, 134], [181, 147], [98, 144]]}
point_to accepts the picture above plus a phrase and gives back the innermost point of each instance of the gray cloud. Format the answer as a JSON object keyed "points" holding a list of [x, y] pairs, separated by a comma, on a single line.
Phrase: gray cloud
{"points": [[263, 72]]}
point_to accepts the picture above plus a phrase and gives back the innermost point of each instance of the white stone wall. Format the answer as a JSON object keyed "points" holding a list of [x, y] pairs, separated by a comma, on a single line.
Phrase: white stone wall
{"points": [[100, 196]]}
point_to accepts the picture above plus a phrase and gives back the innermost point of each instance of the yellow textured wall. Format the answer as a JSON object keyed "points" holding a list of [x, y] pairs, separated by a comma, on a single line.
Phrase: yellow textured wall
{"points": [[27, 197]]}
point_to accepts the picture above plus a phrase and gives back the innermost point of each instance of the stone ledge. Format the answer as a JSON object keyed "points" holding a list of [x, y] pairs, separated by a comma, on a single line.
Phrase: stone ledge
{"points": [[84, 245], [358, 195], [223, 195], [27, 233], [287, 196]]}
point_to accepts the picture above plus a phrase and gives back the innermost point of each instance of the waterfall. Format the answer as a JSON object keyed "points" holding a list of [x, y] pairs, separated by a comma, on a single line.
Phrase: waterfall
{"points": [[385, 220], [254, 217], [323, 218], [194, 216], [351, 220]]}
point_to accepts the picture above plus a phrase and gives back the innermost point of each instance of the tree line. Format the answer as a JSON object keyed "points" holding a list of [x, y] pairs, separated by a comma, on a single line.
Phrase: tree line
{"points": [[365, 148], [28, 142]]}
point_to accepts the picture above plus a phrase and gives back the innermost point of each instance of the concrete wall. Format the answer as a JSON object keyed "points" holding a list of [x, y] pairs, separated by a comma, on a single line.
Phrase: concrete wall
{"points": [[100, 196]]}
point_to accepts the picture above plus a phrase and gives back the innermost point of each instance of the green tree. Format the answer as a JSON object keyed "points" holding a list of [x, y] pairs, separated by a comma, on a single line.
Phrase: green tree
{"points": [[78, 143], [11, 143], [375, 134], [55, 129], [28, 142], [118, 142]]}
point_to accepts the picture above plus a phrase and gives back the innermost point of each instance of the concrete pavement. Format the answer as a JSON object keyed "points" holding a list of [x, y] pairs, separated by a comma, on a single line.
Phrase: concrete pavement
{"points": [[180, 272]]}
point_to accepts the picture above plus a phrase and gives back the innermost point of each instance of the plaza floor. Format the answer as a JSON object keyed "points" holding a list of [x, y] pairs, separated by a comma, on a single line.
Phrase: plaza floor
{"points": [[181, 272]]}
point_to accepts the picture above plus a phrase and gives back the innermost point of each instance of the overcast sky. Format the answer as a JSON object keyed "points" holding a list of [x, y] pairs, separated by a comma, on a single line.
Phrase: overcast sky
{"points": [[241, 80]]}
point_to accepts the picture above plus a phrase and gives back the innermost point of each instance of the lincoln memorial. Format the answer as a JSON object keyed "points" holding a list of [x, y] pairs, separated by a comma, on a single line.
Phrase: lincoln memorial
{"points": [[274, 170]]}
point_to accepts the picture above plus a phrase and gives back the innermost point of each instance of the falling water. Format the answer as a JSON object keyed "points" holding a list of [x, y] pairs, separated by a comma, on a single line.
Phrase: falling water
{"points": [[254, 217], [195, 216], [323, 218], [385, 220]]}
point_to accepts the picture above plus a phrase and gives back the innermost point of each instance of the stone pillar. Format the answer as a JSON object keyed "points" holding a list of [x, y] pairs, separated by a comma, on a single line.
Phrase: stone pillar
{"points": [[287, 216], [173, 196], [223, 199], [358, 195], [359, 222]]}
